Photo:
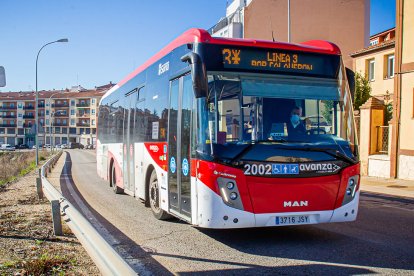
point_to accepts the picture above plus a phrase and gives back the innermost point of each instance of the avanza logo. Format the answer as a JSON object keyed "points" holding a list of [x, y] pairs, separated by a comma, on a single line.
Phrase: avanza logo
{"points": [[162, 68], [301, 203], [154, 148]]}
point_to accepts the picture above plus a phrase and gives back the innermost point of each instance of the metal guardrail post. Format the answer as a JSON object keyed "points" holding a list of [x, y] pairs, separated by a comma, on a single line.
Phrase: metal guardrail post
{"points": [[57, 221], [39, 188]]}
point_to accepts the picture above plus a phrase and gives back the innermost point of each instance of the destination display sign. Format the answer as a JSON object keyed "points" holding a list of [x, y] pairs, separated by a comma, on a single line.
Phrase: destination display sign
{"points": [[281, 61]]}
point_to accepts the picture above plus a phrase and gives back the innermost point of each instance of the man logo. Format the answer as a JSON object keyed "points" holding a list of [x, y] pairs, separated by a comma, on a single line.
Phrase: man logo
{"points": [[301, 203]]}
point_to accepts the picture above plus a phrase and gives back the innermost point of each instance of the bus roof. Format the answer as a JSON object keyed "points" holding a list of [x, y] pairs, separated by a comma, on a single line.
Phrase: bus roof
{"points": [[202, 36]]}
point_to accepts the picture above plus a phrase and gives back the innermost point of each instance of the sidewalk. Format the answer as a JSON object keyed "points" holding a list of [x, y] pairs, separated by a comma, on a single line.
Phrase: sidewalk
{"points": [[395, 187]]}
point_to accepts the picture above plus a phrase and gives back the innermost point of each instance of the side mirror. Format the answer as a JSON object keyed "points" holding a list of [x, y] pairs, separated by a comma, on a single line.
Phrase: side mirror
{"points": [[350, 75], [198, 74], [2, 77]]}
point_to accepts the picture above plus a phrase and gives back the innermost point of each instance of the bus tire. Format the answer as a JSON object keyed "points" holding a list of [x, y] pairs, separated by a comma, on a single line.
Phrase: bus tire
{"points": [[154, 198], [115, 188]]}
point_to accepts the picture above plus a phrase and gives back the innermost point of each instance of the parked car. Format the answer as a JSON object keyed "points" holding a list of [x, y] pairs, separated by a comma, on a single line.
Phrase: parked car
{"points": [[22, 146], [7, 147], [74, 145], [46, 146]]}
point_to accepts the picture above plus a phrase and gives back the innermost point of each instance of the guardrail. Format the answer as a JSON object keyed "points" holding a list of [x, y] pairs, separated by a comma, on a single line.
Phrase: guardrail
{"points": [[104, 256]]}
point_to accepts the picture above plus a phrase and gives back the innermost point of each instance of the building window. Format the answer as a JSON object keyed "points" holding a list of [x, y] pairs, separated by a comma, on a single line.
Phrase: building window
{"points": [[72, 102], [93, 122], [20, 115], [93, 111], [19, 123], [72, 112], [47, 121], [72, 122], [371, 69], [47, 112], [390, 66], [20, 105], [374, 42], [93, 100]]}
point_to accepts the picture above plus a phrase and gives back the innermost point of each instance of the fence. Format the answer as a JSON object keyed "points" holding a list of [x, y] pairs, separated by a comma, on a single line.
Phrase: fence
{"points": [[382, 139]]}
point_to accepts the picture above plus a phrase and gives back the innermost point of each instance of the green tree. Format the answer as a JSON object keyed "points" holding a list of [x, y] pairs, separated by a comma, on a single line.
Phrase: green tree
{"points": [[362, 90]]}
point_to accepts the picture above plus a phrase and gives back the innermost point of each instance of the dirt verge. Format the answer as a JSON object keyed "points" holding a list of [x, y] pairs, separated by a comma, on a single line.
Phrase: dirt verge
{"points": [[27, 243]]}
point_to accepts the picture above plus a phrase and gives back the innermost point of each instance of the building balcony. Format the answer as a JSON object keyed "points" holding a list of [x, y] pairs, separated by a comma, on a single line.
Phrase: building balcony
{"points": [[60, 124], [61, 114], [8, 116], [28, 125], [83, 115], [66, 105], [83, 124], [7, 125], [41, 105], [4, 107], [28, 107], [28, 116], [83, 105]]}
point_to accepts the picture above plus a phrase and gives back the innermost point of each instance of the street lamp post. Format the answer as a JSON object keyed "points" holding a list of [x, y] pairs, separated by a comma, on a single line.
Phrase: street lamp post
{"points": [[37, 100]]}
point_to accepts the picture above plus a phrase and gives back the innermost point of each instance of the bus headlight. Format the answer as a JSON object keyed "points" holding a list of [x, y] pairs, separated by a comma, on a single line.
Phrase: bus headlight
{"points": [[350, 189], [230, 185], [229, 192]]}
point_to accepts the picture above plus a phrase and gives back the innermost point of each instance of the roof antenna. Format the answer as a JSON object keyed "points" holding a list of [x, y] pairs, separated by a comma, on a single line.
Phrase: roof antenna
{"points": [[271, 28]]}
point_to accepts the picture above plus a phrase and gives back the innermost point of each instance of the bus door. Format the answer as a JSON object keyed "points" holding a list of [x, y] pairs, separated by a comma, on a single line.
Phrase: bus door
{"points": [[128, 143], [179, 126]]}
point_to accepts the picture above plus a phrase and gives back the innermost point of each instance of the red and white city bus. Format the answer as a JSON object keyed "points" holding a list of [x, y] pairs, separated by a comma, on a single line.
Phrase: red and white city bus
{"points": [[230, 133]]}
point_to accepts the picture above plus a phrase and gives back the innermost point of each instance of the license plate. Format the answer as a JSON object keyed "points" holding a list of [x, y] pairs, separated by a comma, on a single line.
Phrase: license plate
{"points": [[292, 220]]}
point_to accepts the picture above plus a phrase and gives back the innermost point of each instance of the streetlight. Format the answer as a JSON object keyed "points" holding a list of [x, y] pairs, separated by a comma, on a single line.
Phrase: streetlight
{"points": [[37, 99]]}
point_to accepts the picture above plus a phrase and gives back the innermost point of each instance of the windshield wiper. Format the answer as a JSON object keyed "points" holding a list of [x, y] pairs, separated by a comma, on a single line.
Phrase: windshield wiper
{"points": [[329, 151], [251, 144]]}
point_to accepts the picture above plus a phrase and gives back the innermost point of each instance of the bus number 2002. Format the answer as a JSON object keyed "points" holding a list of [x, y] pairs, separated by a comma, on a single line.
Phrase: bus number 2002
{"points": [[257, 169]]}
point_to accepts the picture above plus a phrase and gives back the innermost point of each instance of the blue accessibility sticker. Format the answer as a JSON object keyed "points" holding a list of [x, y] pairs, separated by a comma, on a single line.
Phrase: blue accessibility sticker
{"points": [[285, 168], [173, 166], [185, 167]]}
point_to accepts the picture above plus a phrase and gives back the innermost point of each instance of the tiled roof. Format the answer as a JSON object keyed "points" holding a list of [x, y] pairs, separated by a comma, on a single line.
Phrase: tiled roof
{"points": [[57, 94], [384, 45]]}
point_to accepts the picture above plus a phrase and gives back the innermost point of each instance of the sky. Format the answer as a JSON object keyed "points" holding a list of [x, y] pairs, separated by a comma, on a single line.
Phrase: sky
{"points": [[107, 39]]}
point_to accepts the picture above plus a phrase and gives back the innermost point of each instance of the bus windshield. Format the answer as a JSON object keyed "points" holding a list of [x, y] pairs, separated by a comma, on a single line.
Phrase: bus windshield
{"points": [[300, 112]]}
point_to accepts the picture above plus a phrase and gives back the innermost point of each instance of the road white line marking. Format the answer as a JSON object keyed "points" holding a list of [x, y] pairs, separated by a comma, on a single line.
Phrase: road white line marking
{"points": [[136, 264]]}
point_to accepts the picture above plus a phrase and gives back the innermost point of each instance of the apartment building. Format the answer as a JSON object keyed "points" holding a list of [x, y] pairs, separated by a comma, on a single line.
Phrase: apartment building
{"points": [[64, 116], [345, 23], [377, 63]]}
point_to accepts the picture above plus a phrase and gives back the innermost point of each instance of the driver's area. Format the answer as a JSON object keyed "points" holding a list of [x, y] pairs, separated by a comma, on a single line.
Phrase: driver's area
{"points": [[250, 109]]}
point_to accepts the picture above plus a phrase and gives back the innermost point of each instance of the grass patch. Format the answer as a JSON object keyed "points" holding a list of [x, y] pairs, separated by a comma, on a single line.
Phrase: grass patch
{"points": [[43, 265], [15, 164]]}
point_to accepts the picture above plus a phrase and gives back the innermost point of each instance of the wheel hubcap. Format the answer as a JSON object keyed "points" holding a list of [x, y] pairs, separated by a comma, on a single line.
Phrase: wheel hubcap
{"points": [[154, 196]]}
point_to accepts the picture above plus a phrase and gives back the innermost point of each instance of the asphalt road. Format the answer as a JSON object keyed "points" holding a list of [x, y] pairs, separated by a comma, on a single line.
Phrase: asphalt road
{"points": [[380, 241]]}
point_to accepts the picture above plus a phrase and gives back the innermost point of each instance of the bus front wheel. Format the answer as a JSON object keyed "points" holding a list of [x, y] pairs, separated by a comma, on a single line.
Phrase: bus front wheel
{"points": [[154, 198]]}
